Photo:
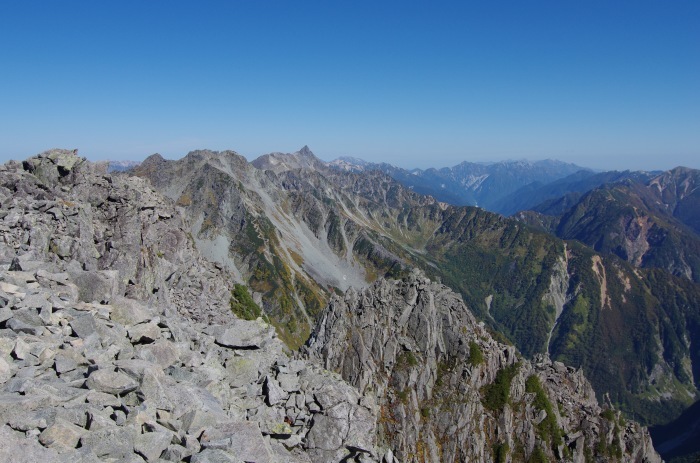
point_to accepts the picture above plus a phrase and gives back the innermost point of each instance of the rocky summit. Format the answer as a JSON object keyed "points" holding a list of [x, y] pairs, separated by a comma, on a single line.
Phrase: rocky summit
{"points": [[118, 343]]}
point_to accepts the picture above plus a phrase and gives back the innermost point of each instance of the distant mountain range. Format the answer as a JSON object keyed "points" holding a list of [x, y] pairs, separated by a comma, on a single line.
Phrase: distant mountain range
{"points": [[473, 184], [121, 166], [651, 222]]}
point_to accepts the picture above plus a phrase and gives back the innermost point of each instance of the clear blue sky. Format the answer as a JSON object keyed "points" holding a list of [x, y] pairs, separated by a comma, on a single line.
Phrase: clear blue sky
{"points": [[606, 84]]}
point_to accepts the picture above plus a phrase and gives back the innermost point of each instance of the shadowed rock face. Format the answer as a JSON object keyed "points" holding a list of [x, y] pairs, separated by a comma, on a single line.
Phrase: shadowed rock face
{"points": [[117, 342], [415, 348]]}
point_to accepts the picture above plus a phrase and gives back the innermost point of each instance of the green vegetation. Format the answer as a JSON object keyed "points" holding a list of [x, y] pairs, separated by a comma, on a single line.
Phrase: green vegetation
{"points": [[500, 452], [274, 280], [482, 254], [616, 345], [612, 450], [497, 394], [548, 429], [370, 251], [406, 359], [538, 456], [444, 368], [608, 414], [476, 356], [242, 305]]}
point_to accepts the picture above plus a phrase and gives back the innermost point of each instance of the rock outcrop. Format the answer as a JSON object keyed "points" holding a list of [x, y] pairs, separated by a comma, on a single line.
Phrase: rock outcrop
{"points": [[447, 391], [117, 342]]}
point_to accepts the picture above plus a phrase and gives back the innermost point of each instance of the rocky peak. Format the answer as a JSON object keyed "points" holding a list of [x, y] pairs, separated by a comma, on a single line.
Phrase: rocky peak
{"points": [[679, 182], [53, 166], [306, 151], [281, 162]]}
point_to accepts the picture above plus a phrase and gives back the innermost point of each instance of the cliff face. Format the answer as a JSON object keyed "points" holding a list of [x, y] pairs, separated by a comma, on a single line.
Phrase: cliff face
{"points": [[447, 391]]}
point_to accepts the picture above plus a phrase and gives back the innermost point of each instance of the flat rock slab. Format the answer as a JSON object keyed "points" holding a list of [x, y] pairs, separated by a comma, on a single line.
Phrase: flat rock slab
{"points": [[144, 333], [162, 353], [5, 314], [245, 334], [152, 444], [242, 371], [61, 435], [195, 420], [111, 382], [288, 382], [116, 443], [274, 392], [129, 312], [5, 371], [83, 326], [247, 442], [137, 368], [215, 456], [64, 364]]}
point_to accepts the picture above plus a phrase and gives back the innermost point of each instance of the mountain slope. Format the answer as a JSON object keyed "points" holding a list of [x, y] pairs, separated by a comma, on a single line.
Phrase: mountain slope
{"points": [[117, 342], [296, 235], [535, 195], [649, 224]]}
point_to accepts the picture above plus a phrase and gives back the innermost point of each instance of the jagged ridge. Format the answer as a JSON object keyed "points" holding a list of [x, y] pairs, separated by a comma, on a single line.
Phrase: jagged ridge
{"points": [[414, 346]]}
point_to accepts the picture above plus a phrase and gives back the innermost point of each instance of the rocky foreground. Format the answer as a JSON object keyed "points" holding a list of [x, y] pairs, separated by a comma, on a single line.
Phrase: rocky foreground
{"points": [[117, 344]]}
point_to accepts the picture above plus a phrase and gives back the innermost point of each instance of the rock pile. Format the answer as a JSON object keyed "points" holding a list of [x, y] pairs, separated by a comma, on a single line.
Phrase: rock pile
{"points": [[123, 381], [117, 343]]}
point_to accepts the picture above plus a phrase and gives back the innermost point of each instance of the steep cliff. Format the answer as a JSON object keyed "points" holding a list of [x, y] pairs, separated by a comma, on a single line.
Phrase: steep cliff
{"points": [[447, 391]]}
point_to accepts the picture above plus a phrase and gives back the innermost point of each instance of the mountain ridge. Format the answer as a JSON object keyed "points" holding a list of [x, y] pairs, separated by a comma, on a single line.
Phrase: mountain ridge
{"points": [[469, 183]]}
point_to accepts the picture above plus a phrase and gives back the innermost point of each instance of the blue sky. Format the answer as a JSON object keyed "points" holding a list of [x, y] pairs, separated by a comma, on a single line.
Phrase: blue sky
{"points": [[605, 84]]}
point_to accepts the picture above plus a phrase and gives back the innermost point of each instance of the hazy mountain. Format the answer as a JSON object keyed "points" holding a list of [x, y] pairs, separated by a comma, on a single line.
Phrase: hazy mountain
{"points": [[555, 195], [477, 184], [281, 162], [121, 166], [648, 222]]}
